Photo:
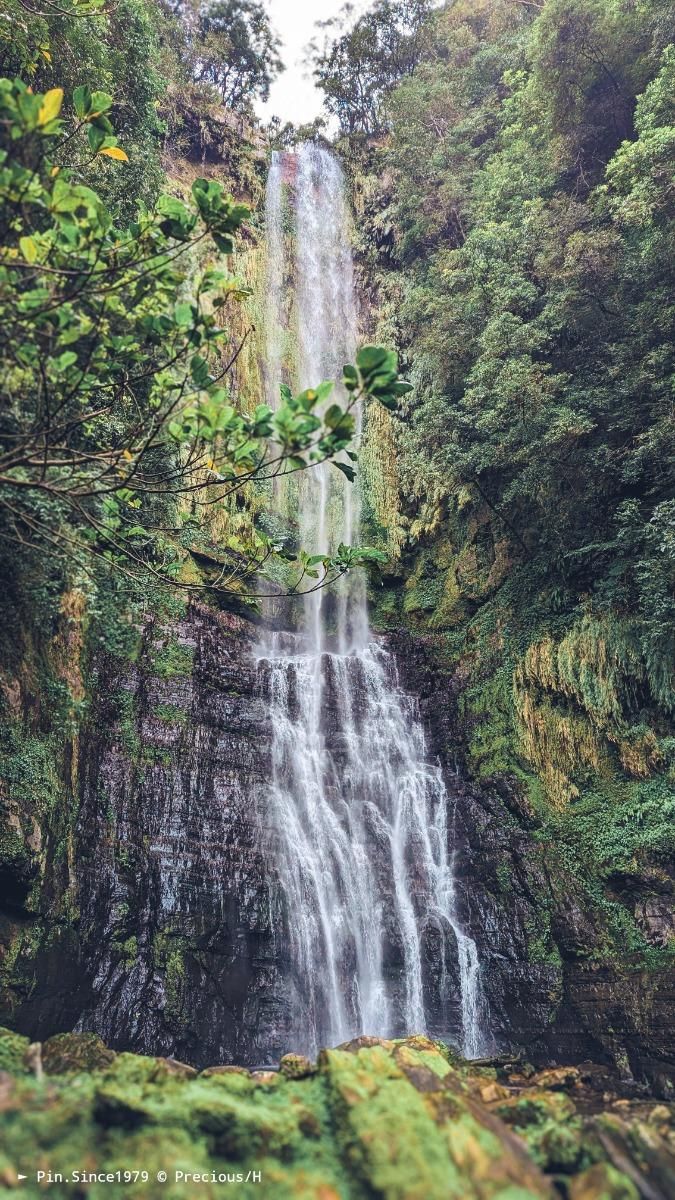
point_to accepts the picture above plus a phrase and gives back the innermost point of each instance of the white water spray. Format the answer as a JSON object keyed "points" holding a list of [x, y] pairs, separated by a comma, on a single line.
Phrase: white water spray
{"points": [[360, 815]]}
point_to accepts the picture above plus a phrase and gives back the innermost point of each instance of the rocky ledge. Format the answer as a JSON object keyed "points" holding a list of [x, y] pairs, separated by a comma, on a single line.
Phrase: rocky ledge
{"points": [[398, 1120]]}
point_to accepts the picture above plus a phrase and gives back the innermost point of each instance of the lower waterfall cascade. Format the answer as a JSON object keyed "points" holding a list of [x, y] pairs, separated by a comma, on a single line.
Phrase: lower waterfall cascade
{"points": [[361, 819]]}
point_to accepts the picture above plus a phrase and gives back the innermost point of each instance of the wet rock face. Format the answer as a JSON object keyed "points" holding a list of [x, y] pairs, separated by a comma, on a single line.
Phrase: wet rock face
{"points": [[175, 947], [179, 924], [179, 943]]}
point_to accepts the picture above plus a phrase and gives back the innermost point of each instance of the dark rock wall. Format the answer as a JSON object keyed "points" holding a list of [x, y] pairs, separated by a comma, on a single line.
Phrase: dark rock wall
{"points": [[175, 944]]}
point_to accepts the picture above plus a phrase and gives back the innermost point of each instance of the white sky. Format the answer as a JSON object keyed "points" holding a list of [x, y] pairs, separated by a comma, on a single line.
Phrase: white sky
{"points": [[293, 97]]}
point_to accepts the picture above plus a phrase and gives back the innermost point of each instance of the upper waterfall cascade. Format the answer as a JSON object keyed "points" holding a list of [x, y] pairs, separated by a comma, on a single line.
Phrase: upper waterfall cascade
{"points": [[362, 819]]}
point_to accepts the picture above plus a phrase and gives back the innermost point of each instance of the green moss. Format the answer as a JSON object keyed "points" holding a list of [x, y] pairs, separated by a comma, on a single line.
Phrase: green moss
{"points": [[13, 1049], [393, 1119], [68, 1053], [503, 874], [16, 858], [31, 766], [156, 756], [551, 1129], [115, 614], [174, 982], [385, 608], [602, 1181], [128, 723], [487, 707], [540, 945], [170, 714], [172, 659], [124, 856], [424, 589], [128, 950]]}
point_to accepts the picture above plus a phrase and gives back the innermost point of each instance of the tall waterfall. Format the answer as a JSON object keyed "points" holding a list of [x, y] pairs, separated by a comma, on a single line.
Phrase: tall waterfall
{"points": [[274, 280], [361, 819]]}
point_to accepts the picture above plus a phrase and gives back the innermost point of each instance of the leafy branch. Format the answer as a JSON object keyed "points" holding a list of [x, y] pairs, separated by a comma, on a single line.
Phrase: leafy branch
{"points": [[115, 363]]}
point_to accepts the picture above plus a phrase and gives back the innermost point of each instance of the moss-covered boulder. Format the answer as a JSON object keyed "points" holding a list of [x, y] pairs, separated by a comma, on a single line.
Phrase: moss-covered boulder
{"points": [[13, 1048], [372, 1120], [602, 1182], [73, 1052], [297, 1066]]}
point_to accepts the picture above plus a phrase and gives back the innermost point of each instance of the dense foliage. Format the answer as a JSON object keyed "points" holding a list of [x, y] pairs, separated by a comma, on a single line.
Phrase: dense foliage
{"points": [[519, 233], [359, 62], [109, 399], [236, 50]]}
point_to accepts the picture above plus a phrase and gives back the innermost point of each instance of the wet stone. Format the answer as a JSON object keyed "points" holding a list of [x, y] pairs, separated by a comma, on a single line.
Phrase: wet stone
{"points": [[297, 1066], [208, 1072]]}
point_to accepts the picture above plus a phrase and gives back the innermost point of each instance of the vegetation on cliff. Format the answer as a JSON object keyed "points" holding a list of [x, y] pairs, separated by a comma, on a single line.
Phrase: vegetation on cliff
{"points": [[132, 463]]}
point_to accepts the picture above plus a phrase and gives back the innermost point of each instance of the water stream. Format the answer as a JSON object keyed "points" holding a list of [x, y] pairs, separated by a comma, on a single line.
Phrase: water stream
{"points": [[361, 816]]}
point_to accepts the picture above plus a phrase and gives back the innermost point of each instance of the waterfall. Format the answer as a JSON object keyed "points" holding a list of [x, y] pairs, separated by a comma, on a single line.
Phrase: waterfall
{"points": [[274, 280], [360, 818]]}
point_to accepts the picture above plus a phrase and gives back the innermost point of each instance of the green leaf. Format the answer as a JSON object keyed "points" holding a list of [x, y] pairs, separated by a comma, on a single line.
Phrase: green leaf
{"points": [[82, 101], [350, 378], [28, 248], [96, 138], [65, 360], [370, 358], [101, 102], [335, 416], [183, 314]]}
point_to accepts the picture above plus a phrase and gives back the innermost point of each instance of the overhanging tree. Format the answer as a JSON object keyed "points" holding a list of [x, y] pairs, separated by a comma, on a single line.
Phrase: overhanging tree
{"points": [[114, 365]]}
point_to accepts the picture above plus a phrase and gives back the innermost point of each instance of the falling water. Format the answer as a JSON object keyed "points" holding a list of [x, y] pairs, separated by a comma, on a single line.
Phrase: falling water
{"points": [[274, 280], [361, 819]]}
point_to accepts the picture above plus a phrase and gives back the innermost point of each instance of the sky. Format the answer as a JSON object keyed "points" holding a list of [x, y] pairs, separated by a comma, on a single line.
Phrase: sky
{"points": [[293, 97]]}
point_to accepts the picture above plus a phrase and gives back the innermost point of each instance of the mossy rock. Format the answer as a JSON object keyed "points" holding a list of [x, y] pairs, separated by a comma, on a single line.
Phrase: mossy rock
{"points": [[397, 1119], [412, 1131], [550, 1127], [13, 1049], [602, 1182], [68, 1053], [296, 1066], [210, 1072]]}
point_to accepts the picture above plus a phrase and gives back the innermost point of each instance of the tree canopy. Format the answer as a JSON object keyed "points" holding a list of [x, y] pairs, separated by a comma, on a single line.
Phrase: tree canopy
{"points": [[236, 50], [359, 62]]}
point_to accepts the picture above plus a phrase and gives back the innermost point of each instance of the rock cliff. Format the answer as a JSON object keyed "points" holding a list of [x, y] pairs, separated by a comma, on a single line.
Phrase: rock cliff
{"points": [[173, 942]]}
